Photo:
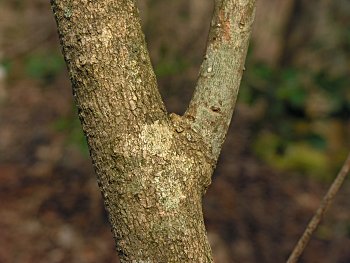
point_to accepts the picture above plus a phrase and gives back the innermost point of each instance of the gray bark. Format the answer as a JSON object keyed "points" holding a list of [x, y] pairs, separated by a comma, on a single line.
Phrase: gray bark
{"points": [[152, 167]]}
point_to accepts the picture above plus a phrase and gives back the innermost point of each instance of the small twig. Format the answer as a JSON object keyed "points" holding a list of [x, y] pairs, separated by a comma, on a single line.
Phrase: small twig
{"points": [[315, 221]]}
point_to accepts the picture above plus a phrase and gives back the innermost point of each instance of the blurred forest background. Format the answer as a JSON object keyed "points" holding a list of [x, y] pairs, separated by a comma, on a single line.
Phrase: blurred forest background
{"points": [[288, 138]]}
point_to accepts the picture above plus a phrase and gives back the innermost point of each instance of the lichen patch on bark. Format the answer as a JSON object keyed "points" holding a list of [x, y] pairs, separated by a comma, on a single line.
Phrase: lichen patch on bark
{"points": [[157, 138], [169, 191]]}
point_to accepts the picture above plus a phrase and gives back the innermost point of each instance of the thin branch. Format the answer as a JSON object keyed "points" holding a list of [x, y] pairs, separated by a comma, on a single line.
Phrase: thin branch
{"points": [[212, 105], [315, 221]]}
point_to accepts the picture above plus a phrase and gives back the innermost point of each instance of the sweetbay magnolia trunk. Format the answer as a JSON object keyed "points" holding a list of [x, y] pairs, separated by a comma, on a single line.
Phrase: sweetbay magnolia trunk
{"points": [[152, 167]]}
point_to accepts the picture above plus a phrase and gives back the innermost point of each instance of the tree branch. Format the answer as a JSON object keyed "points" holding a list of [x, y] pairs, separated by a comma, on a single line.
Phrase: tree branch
{"points": [[214, 98], [321, 211], [108, 61], [152, 170]]}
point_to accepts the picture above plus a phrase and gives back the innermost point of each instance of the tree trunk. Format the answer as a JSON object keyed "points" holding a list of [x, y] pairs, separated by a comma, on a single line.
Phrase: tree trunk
{"points": [[152, 168]]}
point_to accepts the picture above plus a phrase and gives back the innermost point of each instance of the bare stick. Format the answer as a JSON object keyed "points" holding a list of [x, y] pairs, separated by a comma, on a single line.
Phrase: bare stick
{"points": [[315, 221]]}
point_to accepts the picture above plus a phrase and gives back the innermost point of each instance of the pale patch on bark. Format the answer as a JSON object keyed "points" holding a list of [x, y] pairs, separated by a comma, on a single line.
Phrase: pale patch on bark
{"points": [[157, 139], [243, 2], [106, 36], [168, 190], [170, 185]]}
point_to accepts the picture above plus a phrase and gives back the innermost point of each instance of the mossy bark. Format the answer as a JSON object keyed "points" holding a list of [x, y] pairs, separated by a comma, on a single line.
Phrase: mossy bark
{"points": [[152, 167]]}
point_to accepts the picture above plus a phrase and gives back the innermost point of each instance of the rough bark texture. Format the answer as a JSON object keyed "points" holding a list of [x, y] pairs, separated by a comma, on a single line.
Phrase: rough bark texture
{"points": [[215, 96], [152, 168]]}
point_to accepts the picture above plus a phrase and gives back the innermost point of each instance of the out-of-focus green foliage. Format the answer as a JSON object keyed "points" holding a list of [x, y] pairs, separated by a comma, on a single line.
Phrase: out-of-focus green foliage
{"points": [[44, 66], [297, 156], [303, 119], [168, 67], [302, 101], [6, 65], [75, 136]]}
